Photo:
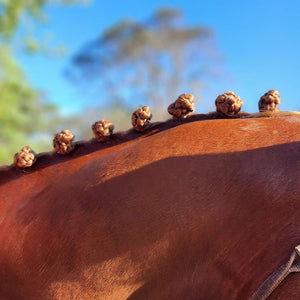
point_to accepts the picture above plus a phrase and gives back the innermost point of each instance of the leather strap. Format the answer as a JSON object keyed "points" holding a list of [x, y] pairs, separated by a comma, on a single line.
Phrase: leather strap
{"points": [[273, 281]]}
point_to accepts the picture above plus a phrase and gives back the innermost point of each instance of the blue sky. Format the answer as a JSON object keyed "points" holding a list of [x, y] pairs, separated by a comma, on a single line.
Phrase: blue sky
{"points": [[259, 40]]}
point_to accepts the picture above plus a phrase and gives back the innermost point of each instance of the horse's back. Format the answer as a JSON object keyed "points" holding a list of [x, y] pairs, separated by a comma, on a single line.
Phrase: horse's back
{"points": [[200, 211]]}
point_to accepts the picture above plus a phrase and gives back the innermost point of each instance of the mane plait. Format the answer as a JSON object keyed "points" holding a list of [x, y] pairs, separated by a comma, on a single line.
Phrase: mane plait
{"points": [[25, 158], [63, 142], [269, 101], [103, 130], [140, 118], [183, 107], [228, 106]]}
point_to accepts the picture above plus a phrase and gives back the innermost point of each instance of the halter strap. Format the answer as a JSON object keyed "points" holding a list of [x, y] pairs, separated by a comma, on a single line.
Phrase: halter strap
{"points": [[273, 281]]}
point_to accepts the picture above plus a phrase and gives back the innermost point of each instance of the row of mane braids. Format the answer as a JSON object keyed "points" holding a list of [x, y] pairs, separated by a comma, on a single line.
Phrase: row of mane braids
{"points": [[227, 105]]}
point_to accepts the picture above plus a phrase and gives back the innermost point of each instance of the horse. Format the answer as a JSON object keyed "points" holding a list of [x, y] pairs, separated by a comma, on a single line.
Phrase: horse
{"points": [[190, 209]]}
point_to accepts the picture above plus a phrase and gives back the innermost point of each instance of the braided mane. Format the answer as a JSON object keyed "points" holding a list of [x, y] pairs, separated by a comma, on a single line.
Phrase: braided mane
{"points": [[86, 147]]}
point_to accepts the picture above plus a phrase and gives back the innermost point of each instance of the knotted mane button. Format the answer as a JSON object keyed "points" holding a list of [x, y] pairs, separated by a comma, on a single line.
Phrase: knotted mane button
{"points": [[269, 101], [63, 142], [25, 158], [182, 107], [140, 118], [103, 130], [228, 104]]}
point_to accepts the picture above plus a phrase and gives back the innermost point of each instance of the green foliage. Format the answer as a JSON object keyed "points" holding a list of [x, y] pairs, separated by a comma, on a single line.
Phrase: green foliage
{"points": [[12, 12], [25, 115], [23, 112]]}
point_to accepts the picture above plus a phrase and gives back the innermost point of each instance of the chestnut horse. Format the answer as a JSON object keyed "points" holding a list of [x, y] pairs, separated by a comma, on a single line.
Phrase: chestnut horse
{"points": [[204, 210]]}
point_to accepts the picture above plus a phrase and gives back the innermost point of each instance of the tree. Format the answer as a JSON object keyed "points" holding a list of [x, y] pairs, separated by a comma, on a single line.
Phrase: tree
{"points": [[25, 115], [24, 112], [148, 62], [13, 12]]}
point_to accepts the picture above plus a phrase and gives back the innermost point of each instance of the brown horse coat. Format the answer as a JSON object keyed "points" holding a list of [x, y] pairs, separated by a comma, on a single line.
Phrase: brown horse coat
{"points": [[205, 210]]}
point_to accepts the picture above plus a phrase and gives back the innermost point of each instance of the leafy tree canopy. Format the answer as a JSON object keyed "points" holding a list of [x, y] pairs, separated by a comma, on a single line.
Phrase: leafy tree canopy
{"points": [[152, 61], [25, 115], [12, 12]]}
